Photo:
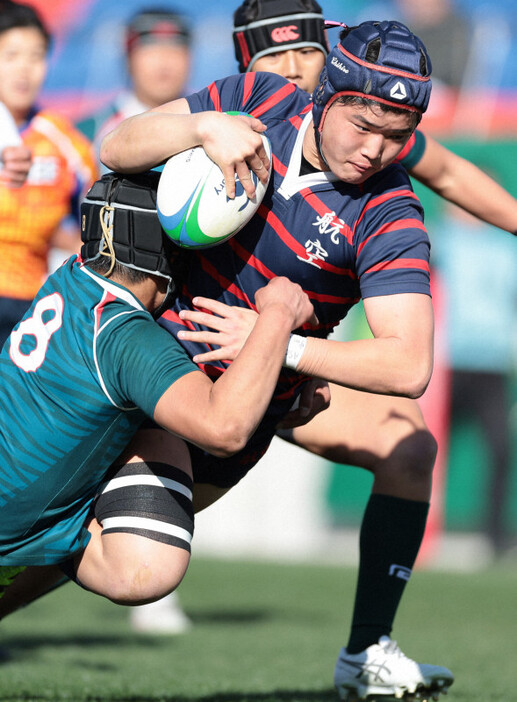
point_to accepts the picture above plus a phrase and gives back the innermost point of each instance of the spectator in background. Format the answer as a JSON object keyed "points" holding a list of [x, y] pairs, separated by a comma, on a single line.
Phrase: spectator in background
{"points": [[63, 166], [157, 43], [445, 32], [481, 333]]}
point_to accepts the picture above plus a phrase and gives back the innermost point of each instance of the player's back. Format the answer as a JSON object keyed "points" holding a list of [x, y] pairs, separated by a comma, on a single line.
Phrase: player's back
{"points": [[55, 411]]}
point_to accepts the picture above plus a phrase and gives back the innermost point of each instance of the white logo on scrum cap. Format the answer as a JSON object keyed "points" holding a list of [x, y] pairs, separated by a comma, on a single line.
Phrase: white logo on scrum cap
{"points": [[398, 92], [339, 65]]}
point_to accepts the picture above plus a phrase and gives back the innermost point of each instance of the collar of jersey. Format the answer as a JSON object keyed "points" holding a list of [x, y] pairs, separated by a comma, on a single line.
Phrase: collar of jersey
{"points": [[115, 289], [293, 182]]}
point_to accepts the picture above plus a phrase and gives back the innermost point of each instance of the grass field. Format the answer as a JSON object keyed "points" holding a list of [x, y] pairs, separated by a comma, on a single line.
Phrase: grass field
{"points": [[262, 633]]}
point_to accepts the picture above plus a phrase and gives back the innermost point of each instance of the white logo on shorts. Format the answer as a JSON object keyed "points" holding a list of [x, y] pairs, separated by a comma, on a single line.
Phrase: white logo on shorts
{"points": [[398, 92]]}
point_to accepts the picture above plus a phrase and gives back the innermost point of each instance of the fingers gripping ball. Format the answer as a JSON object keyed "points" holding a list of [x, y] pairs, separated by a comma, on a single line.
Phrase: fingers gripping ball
{"points": [[192, 204]]}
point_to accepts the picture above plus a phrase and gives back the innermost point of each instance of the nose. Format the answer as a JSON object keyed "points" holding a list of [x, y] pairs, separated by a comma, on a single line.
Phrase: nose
{"points": [[373, 147], [291, 67]]}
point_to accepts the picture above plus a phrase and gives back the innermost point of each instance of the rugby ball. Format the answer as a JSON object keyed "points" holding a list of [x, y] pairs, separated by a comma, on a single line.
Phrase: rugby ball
{"points": [[191, 200]]}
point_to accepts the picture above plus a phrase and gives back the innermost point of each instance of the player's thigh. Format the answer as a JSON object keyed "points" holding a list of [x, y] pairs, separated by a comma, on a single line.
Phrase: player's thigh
{"points": [[360, 428], [144, 520], [154, 444]]}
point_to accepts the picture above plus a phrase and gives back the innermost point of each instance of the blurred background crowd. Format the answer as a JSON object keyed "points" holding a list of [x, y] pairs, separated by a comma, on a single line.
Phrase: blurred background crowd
{"points": [[94, 78]]}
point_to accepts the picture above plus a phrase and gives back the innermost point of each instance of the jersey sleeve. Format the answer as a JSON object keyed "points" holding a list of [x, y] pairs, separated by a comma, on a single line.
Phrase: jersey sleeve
{"points": [[263, 95], [391, 242], [413, 150], [138, 361]]}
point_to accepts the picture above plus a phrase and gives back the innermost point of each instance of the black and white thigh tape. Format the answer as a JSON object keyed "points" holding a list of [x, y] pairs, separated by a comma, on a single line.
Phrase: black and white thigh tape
{"points": [[149, 499]]}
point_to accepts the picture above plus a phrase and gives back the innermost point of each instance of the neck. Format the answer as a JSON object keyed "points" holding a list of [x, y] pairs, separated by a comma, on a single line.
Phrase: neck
{"points": [[310, 150], [149, 292]]}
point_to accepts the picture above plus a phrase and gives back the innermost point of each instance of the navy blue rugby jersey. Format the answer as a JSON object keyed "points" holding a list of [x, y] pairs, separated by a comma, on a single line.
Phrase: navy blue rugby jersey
{"points": [[340, 242]]}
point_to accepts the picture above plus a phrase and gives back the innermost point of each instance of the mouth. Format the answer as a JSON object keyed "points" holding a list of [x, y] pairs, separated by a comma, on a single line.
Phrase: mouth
{"points": [[362, 168]]}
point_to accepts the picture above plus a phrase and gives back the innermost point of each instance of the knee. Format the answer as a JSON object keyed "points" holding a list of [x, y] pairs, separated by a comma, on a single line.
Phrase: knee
{"points": [[143, 582], [412, 456]]}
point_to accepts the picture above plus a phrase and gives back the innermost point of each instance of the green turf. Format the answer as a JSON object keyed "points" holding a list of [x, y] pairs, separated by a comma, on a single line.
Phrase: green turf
{"points": [[262, 633]]}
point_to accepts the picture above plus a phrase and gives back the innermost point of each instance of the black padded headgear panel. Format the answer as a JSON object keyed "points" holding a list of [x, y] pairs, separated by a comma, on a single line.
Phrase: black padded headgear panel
{"points": [[126, 206]]}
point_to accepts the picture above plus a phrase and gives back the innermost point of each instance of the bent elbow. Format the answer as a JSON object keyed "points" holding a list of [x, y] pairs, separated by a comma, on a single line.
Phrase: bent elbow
{"points": [[228, 441], [106, 154], [417, 381]]}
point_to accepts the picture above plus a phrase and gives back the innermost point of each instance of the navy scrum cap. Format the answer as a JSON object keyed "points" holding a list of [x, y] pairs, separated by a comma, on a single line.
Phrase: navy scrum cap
{"points": [[264, 27], [384, 61]]}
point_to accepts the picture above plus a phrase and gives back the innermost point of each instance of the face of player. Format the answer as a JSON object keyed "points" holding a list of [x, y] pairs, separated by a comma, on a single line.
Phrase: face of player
{"points": [[159, 72], [358, 141], [23, 67], [300, 66]]}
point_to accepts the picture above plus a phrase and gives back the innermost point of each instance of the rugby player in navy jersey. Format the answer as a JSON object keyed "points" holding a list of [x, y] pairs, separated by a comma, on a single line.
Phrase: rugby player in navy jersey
{"points": [[385, 435], [341, 219], [80, 372]]}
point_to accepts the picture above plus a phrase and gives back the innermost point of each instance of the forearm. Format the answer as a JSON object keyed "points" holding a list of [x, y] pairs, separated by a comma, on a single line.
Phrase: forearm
{"points": [[143, 141], [240, 397], [461, 182], [382, 366]]}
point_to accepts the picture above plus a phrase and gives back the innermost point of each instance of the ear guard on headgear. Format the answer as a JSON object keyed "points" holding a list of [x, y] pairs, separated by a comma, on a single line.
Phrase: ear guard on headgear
{"points": [[118, 218], [383, 61]]}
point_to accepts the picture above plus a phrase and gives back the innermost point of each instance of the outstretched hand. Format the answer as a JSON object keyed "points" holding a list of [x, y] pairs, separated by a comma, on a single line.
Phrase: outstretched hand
{"points": [[228, 327]]}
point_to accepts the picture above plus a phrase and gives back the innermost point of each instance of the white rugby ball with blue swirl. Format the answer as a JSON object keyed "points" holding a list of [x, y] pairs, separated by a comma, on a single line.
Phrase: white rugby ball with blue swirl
{"points": [[192, 204]]}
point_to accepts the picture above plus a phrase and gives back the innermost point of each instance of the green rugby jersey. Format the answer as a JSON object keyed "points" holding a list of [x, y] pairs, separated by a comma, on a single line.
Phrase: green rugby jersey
{"points": [[78, 375]]}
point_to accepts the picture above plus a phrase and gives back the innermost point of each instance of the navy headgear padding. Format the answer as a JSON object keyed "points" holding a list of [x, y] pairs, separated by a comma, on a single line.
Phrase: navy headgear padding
{"points": [[383, 61]]}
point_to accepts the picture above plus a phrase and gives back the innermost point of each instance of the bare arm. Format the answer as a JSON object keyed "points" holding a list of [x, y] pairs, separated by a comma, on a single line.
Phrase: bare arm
{"points": [[460, 181], [220, 417], [148, 139], [397, 361]]}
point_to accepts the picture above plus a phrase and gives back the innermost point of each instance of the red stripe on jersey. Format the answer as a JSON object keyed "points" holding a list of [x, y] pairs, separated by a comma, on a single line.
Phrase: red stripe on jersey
{"points": [[289, 240], [279, 167], [173, 316], [393, 227], [273, 99], [374, 202], [254, 262], [249, 82], [297, 120], [322, 209], [215, 97], [225, 283], [400, 263], [106, 299]]}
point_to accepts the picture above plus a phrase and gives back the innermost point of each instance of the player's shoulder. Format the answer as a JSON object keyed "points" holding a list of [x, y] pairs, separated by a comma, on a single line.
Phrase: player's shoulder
{"points": [[68, 140]]}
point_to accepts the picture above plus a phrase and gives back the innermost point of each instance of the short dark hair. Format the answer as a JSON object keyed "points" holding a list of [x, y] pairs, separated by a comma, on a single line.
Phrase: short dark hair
{"points": [[414, 117], [102, 265], [15, 15]]}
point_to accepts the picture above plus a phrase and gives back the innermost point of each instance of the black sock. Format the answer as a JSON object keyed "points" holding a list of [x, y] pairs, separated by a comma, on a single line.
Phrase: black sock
{"points": [[391, 534]]}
